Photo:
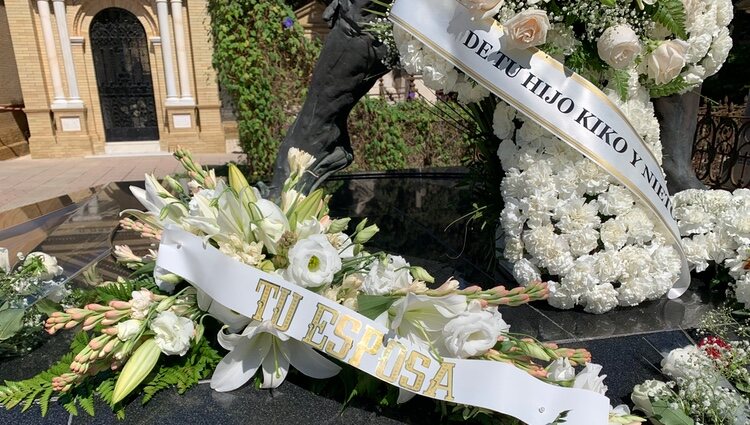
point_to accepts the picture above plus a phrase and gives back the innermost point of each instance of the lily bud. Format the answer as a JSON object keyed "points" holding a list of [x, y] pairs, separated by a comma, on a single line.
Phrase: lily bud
{"points": [[165, 304]]}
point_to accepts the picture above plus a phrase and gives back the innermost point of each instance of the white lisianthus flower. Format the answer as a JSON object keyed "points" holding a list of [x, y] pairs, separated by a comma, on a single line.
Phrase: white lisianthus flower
{"points": [[527, 29], [387, 276], [128, 329], [619, 46], [560, 370], [50, 269], [312, 262], [140, 304], [299, 161], [473, 332], [589, 379], [173, 333], [666, 62]]}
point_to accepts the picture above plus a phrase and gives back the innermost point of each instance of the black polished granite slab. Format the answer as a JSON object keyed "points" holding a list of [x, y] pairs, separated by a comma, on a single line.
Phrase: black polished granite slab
{"points": [[413, 211]]}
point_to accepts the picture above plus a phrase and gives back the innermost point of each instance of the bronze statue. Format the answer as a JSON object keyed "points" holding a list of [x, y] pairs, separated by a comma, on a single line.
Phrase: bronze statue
{"points": [[349, 66]]}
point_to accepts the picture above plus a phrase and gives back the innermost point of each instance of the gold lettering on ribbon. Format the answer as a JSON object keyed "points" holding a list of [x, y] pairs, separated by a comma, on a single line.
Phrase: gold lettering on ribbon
{"points": [[419, 376], [281, 295], [318, 325], [371, 342], [348, 342], [397, 365], [446, 371]]}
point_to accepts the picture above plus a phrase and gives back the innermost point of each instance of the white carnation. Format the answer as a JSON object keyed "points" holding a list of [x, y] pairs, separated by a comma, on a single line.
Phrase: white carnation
{"points": [[173, 333]]}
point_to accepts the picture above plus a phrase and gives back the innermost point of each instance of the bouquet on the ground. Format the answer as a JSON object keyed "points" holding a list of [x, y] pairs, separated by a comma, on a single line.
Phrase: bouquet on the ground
{"points": [[149, 334], [29, 290], [709, 384]]}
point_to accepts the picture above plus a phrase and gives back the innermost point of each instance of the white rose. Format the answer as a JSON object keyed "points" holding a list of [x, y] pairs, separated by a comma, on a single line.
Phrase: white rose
{"points": [[313, 262], [140, 304], [527, 29], [473, 332], [49, 263], [4, 261], [589, 379], [128, 329], [387, 276], [619, 46], [560, 370], [173, 333], [666, 62]]}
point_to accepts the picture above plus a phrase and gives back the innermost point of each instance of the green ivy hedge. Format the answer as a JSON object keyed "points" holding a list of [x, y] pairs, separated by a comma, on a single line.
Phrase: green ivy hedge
{"points": [[264, 62]]}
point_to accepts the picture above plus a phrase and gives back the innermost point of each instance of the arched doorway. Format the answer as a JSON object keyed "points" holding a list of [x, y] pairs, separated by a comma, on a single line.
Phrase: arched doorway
{"points": [[123, 76]]}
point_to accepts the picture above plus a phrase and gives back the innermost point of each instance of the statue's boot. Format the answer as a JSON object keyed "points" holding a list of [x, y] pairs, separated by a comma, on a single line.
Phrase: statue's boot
{"points": [[348, 67], [678, 119]]}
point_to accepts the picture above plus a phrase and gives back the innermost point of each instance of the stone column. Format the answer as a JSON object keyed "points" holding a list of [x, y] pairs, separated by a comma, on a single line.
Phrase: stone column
{"points": [[49, 47], [67, 53], [182, 62], [162, 11]]}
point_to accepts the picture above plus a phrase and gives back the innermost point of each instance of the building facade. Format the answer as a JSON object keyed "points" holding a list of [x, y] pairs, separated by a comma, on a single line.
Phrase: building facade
{"points": [[116, 76]]}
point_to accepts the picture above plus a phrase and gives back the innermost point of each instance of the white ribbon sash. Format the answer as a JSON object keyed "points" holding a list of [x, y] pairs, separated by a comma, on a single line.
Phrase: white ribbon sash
{"points": [[559, 100], [354, 339]]}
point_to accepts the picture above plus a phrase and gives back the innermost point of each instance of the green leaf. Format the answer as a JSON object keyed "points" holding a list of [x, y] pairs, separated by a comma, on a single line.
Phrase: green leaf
{"points": [[675, 86], [47, 307], [11, 321], [671, 14], [372, 306], [668, 416], [620, 82]]}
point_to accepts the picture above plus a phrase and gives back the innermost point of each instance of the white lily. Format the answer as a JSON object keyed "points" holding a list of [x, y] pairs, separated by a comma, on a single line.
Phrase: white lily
{"points": [[270, 224], [156, 199], [421, 319], [233, 217], [261, 346]]}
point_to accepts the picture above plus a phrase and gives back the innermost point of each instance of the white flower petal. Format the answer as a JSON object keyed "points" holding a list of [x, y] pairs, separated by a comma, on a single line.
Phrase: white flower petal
{"points": [[308, 361], [275, 367], [239, 366]]}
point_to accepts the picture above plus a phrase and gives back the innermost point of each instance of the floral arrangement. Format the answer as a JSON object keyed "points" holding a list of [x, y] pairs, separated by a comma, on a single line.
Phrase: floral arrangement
{"points": [[670, 46], [135, 325], [28, 291], [563, 218], [716, 234], [709, 385]]}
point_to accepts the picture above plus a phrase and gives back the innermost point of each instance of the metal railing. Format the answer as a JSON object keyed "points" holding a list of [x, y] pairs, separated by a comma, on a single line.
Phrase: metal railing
{"points": [[721, 149]]}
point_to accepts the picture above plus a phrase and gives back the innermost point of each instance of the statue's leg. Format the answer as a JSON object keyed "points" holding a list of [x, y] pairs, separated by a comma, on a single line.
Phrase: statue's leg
{"points": [[348, 67], [678, 119]]}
